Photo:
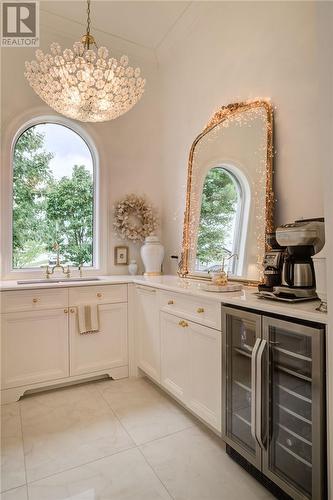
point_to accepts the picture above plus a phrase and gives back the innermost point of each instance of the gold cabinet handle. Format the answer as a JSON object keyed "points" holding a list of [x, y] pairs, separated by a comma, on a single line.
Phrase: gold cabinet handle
{"points": [[170, 302], [99, 295], [66, 311], [34, 300], [200, 310], [72, 310], [183, 323]]}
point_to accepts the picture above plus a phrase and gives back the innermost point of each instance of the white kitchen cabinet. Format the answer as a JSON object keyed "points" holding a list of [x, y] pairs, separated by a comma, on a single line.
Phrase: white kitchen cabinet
{"points": [[174, 362], [102, 350], [41, 345], [191, 366], [34, 347], [204, 359], [148, 332]]}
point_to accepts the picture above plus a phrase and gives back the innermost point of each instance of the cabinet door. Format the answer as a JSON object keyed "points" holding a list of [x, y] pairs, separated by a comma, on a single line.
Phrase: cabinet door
{"points": [[204, 358], [34, 347], [174, 355], [294, 458], [241, 334], [148, 332], [104, 349]]}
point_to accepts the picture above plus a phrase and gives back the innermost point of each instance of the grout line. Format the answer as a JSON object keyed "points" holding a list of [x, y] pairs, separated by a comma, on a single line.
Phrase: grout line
{"points": [[134, 446], [116, 416], [155, 474], [159, 395], [165, 436], [78, 466], [23, 450]]}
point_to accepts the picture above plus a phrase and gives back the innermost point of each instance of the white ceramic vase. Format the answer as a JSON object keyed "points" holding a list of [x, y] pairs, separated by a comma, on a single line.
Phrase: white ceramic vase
{"points": [[133, 268], [319, 263], [152, 254]]}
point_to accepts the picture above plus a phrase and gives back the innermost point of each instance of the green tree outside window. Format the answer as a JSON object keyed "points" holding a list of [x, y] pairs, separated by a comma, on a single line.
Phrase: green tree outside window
{"points": [[218, 210], [48, 210]]}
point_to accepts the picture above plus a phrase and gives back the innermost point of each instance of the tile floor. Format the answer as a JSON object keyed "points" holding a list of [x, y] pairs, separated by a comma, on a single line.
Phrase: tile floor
{"points": [[114, 440]]}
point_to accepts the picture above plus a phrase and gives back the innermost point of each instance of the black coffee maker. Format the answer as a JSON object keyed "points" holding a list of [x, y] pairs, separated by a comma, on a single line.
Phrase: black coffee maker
{"points": [[272, 264], [300, 240]]}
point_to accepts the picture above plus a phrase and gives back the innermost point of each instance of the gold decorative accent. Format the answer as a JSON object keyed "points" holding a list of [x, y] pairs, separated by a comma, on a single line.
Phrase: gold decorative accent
{"points": [[34, 300], [72, 310], [170, 302], [99, 295], [223, 114], [134, 218], [183, 323], [200, 310], [88, 40], [66, 311]]}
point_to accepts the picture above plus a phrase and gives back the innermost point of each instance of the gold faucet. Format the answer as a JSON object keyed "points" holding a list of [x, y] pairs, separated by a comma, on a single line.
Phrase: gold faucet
{"points": [[57, 265]]}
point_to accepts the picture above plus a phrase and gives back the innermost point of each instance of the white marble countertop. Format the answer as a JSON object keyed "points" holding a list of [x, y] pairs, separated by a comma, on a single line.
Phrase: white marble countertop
{"points": [[245, 298]]}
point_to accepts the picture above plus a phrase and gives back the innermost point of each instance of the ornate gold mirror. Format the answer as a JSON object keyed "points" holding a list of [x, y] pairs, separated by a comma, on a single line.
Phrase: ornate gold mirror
{"points": [[229, 203]]}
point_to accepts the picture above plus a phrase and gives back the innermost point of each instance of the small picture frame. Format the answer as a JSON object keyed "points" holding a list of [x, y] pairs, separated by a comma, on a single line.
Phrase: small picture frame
{"points": [[121, 256]]}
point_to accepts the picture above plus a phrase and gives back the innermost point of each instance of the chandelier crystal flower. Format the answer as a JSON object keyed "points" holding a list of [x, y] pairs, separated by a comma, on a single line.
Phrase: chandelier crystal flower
{"points": [[84, 83]]}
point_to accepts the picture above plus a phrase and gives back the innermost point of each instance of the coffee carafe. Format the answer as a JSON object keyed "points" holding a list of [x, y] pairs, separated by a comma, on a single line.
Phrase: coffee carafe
{"points": [[297, 269]]}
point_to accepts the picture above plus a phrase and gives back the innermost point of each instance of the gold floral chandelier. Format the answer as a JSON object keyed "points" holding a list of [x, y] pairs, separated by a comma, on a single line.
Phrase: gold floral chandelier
{"points": [[84, 83]]}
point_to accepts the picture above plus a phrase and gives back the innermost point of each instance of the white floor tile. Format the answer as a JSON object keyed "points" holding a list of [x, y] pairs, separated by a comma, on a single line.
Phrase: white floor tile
{"points": [[124, 476], [12, 457], [193, 465], [16, 494], [67, 428], [145, 413]]}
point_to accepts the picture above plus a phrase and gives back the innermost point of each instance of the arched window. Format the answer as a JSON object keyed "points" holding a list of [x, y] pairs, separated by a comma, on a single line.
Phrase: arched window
{"points": [[53, 197], [220, 232]]}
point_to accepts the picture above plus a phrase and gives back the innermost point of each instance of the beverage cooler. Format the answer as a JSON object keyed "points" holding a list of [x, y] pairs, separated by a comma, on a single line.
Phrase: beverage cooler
{"points": [[273, 387]]}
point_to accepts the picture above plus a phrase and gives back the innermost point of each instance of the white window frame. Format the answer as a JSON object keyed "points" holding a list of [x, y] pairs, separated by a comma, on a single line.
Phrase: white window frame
{"points": [[100, 202]]}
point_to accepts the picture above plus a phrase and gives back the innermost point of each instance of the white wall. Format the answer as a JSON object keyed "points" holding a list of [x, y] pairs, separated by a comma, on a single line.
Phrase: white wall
{"points": [[130, 155], [217, 53], [228, 51]]}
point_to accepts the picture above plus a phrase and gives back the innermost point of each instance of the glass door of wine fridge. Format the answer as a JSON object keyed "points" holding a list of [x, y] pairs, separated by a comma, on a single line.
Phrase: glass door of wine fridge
{"points": [[293, 455], [241, 339]]}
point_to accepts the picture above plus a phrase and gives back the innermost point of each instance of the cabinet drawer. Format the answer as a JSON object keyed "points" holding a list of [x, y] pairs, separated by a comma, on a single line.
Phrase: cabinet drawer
{"points": [[197, 309], [32, 300], [102, 294]]}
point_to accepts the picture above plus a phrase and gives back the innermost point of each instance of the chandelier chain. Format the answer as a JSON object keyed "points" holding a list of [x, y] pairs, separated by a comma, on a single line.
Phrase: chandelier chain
{"points": [[88, 17]]}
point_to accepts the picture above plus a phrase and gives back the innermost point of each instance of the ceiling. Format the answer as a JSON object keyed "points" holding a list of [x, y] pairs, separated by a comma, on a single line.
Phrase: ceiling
{"points": [[143, 23]]}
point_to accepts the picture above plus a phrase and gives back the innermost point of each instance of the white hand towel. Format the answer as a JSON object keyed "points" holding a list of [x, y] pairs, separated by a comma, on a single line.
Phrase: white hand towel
{"points": [[88, 321]]}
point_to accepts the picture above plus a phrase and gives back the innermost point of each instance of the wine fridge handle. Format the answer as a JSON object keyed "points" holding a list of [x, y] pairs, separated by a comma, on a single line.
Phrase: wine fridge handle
{"points": [[254, 387], [258, 410]]}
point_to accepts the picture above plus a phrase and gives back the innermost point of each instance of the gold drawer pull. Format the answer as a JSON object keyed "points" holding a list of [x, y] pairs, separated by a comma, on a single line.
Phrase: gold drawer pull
{"points": [[34, 300], [65, 311], [200, 310], [183, 323], [72, 310], [99, 295], [170, 302]]}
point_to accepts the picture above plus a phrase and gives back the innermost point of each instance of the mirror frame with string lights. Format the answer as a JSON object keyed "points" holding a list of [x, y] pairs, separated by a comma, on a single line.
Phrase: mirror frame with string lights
{"points": [[226, 113]]}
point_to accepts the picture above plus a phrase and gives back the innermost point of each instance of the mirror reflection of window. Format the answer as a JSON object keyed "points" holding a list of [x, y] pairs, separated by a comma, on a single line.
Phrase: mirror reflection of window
{"points": [[220, 226]]}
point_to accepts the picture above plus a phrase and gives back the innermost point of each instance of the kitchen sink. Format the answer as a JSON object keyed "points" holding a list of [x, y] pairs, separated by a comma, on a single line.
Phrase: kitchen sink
{"points": [[56, 280]]}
